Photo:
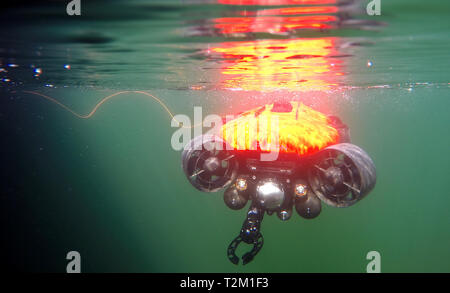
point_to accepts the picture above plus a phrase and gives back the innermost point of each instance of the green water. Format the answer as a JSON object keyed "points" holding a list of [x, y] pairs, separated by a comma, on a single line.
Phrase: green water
{"points": [[111, 187]]}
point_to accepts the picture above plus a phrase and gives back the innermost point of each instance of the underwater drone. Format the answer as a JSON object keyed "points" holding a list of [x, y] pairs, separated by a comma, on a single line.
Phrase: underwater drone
{"points": [[315, 163]]}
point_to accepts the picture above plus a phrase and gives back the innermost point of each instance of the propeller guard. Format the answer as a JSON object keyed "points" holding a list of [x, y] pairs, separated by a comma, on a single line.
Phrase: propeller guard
{"points": [[208, 164], [342, 174]]}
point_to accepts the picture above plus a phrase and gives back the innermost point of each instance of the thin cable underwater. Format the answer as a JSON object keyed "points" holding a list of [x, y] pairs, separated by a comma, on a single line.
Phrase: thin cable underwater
{"points": [[105, 99]]}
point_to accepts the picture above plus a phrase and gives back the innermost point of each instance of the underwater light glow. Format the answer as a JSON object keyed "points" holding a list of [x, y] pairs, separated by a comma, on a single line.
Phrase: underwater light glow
{"points": [[268, 65], [302, 130], [276, 2], [273, 24], [293, 11]]}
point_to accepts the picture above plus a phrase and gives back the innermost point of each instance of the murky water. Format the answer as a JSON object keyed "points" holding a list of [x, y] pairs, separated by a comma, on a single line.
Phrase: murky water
{"points": [[111, 186]]}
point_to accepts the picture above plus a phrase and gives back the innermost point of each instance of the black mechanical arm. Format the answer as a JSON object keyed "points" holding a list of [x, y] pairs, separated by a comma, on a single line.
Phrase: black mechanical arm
{"points": [[250, 234]]}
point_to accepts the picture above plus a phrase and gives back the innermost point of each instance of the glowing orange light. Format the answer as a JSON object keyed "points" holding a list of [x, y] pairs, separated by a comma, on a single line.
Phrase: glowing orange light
{"points": [[273, 24], [273, 65], [267, 65], [302, 130], [276, 2], [293, 11]]}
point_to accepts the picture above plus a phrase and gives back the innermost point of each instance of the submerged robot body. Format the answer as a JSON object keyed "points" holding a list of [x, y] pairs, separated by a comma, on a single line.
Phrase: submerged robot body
{"points": [[309, 170]]}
